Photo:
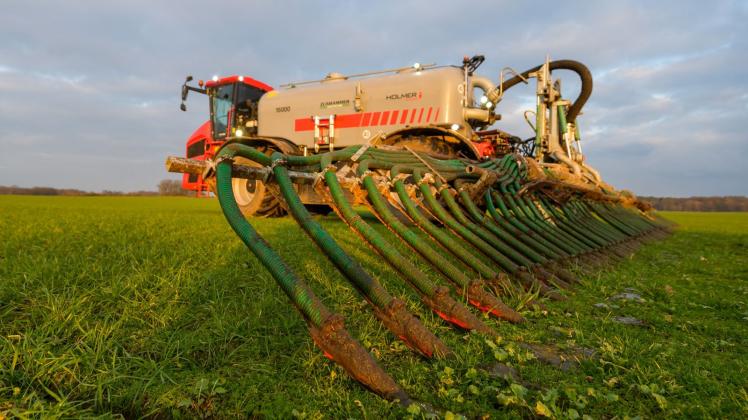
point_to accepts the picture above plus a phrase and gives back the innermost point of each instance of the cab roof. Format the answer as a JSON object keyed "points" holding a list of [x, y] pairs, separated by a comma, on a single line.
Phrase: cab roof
{"points": [[242, 79]]}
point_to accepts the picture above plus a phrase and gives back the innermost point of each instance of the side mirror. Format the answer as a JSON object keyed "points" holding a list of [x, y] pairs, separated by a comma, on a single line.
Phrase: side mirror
{"points": [[184, 87], [185, 91]]}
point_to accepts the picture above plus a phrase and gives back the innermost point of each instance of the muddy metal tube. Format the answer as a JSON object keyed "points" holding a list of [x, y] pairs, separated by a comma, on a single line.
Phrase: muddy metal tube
{"points": [[477, 114], [326, 329], [198, 167]]}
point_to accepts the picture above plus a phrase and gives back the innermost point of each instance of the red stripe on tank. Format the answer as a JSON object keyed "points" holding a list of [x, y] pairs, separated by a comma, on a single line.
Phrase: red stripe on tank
{"points": [[366, 119], [304, 124], [404, 117], [393, 118], [385, 118], [347, 121]]}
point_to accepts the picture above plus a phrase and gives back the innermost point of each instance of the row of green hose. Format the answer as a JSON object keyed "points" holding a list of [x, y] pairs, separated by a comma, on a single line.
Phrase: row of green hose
{"points": [[451, 311], [326, 329], [403, 324], [297, 291], [583, 234], [515, 233], [521, 217], [465, 285]]}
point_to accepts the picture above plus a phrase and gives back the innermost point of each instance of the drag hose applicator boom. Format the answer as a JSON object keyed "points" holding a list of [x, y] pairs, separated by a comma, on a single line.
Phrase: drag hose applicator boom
{"points": [[493, 228]]}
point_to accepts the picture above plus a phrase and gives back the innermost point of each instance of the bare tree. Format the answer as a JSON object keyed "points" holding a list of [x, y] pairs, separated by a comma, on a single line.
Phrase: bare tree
{"points": [[171, 187]]}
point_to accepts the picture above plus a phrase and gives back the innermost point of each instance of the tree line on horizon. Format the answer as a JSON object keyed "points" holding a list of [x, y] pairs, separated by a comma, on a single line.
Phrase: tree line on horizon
{"points": [[171, 187], [165, 187], [714, 203]]}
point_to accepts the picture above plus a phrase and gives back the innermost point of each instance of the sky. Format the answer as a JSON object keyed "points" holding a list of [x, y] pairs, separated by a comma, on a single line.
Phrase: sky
{"points": [[89, 90]]}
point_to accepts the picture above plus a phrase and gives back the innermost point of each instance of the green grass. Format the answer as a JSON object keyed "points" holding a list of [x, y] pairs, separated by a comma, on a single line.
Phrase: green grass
{"points": [[152, 307]]}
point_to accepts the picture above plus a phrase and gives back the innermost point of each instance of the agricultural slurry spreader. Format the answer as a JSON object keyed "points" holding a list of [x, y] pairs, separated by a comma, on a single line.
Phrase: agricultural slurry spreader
{"points": [[414, 146]]}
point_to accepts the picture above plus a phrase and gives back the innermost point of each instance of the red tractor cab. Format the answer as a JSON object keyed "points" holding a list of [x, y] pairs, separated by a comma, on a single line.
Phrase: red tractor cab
{"points": [[233, 113]]}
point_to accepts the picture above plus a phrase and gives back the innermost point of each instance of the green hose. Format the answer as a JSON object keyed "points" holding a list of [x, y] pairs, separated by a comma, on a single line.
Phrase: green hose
{"points": [[447, 241], [327, 329], [472, 289], [437, 298], [499, 242], [378, 242], [295, 289]]}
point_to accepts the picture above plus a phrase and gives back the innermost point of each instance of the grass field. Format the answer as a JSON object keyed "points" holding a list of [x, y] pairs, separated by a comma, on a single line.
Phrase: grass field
{"points": [[152, 307]]}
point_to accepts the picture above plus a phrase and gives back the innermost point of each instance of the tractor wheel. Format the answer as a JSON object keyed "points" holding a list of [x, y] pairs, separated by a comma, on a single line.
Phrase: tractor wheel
{"points": [[253, 196]]}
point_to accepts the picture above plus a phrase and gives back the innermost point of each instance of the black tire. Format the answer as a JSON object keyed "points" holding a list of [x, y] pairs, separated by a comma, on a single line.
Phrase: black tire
{"points": [[253, 197]]}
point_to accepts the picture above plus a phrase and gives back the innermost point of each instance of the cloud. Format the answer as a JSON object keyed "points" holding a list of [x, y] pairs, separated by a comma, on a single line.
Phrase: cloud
{"points": [[89, 90]]}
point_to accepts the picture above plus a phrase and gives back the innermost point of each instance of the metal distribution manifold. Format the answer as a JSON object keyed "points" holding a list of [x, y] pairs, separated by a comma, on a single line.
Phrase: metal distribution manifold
{"points": [[509, 222]]}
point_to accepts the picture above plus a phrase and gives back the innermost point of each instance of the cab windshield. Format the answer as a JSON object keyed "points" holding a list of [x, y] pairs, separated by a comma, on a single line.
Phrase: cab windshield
{"points": [[222, 102]]}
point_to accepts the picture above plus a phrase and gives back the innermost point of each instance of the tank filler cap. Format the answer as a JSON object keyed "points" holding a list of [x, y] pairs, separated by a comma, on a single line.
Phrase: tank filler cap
{"points": [[331, 77]]}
